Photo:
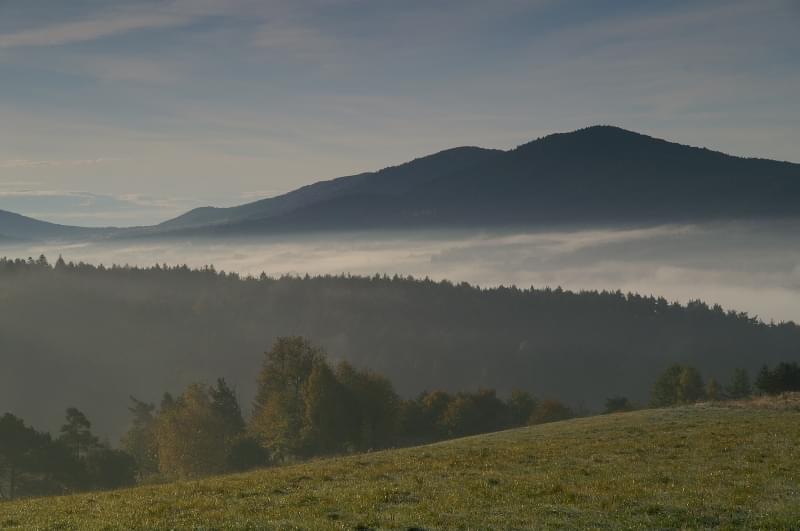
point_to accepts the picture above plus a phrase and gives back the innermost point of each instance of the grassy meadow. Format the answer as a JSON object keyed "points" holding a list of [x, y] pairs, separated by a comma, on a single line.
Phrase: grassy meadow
{"points": [[729, 465]]}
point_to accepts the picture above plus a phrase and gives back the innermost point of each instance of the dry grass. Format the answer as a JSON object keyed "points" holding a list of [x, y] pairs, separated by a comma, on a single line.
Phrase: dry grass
{"points": [[729, 465]]}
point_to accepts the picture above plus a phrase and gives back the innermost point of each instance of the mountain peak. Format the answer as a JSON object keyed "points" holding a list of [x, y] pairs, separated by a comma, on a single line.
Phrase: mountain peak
{"points": [[592, 133], [597, 174]]}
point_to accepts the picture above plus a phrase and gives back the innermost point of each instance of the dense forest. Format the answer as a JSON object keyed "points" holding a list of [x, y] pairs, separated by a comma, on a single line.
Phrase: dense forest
{"points": [[89, 336]]}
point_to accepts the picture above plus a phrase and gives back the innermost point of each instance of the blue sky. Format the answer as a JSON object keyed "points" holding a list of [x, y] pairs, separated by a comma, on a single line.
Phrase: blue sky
{"points": [[123, 112]]}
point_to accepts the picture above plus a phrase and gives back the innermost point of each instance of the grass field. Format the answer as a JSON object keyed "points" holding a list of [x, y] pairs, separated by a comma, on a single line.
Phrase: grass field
{"points": [[704, 466]]}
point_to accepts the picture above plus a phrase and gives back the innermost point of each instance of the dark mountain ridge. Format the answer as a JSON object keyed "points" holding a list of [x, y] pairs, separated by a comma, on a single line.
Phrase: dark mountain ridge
{"points": [[601, 174], [16, 227], [596, 175]]}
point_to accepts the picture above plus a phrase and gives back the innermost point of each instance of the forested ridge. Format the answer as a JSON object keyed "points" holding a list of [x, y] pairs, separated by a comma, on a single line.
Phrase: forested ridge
{"points": [[90, 336]]}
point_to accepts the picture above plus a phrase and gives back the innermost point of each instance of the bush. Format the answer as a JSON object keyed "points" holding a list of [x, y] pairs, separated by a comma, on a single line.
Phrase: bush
{"points": [[678, 384], [618, 404], [550, 411]]}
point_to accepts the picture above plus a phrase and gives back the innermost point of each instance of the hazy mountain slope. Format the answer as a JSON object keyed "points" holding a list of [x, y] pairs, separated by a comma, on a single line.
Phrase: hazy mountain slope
{"points": [[596, 175], [392, 181], [17, 227]]}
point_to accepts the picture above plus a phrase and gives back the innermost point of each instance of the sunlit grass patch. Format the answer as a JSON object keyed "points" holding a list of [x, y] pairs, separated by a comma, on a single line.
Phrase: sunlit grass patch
{"points": [[706, 466]]}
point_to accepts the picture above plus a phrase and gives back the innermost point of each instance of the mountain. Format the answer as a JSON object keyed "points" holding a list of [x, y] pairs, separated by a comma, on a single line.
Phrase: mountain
{"points": [[600, 174], [596, 175], [15, 227], [389, 182]]}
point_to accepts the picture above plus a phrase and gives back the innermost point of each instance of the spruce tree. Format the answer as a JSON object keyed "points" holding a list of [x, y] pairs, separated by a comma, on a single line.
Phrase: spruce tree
{"points": [[740, 384]]}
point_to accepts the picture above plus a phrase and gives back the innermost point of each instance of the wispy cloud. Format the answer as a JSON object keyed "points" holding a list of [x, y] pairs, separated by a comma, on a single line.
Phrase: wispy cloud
{"points": [[131, 69], [87, 30], [297, 39], [27, 163], [226, 96], [108, 22]]}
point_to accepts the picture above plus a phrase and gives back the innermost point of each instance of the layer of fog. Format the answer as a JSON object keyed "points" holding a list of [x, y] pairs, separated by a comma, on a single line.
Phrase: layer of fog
{"points": [[752, 267]]}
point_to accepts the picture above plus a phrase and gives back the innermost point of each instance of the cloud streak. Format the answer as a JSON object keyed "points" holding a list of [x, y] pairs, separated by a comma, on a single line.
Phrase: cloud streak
{"points": [[226, 96], [101, 26], [27, 163]]}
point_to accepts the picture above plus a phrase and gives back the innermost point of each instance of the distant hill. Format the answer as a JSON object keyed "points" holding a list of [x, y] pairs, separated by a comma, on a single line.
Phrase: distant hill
{"points": [[15, 227], [600, 174], [389, 182], [597, 175]]}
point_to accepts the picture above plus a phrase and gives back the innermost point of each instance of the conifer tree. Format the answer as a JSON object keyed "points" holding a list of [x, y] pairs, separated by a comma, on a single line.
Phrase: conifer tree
{"points": [[76, 434], [226, 404], [324, 415], [740, 384], [140, 439], [18, 444]]}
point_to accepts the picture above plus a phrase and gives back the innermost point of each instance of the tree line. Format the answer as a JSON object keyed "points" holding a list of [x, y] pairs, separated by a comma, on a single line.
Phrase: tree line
{"points": [[34, 463], [305, 407], [684, 384]]}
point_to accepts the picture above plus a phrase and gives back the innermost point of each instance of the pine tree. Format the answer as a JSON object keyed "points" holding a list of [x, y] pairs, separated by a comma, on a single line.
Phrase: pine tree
{"points": [[373, 407], [765, 382], [140, 439], [665, 389], [323, 423], [76, 434], [226, 405], [18, 444], [740, 384]]}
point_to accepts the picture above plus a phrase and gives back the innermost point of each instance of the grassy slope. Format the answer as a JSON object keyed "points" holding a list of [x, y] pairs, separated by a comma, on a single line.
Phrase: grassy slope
{"points": [[701, 466]]}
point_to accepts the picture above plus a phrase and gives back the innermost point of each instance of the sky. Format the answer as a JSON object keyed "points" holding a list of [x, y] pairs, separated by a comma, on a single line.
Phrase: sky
{"points": [[130, 112]]}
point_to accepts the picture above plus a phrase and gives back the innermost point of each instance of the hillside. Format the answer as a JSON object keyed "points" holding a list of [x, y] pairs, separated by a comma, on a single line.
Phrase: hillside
{"points": [[14, 227], [115, 332], [709, 465], [599, 175], [393, 181]]}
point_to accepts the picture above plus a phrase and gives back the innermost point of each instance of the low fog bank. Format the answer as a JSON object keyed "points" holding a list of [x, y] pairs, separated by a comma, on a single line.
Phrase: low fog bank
{"points": [[752, 267]]}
